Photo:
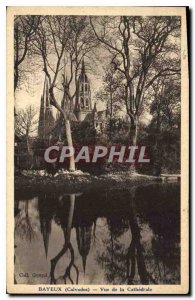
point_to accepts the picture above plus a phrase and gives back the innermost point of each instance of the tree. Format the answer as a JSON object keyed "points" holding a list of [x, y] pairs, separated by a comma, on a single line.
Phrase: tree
{"points": [[24, 32], [63, 42], [142, 49], [26, 226], [165, 124], [110, 93], [165, 108], [26, 123], [67, 246]]}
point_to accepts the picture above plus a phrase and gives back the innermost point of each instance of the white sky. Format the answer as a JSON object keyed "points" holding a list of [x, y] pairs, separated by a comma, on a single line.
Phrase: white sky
{"points": [[31, 95]]}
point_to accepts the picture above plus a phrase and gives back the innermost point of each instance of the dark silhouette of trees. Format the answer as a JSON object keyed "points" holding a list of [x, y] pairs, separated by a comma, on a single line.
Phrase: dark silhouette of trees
{"points": [[25, 28], [67, 246], [142, 50], [62, 42], [162, 135], [111, 92], [26, 122], [140, 263], [23, 224]]}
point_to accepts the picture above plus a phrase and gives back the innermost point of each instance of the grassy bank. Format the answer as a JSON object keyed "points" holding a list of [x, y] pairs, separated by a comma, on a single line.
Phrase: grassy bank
{"points": [[35, 181]]}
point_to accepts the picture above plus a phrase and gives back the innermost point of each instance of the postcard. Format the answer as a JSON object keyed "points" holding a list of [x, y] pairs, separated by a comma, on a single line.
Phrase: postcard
{"points": [[97, 150]]}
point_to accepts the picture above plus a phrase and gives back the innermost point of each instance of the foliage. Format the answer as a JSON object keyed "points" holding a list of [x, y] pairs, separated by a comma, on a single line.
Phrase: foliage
{"points": [[162, 136], [111, 91], [26, 121], [141, 49], [142, 74], [25, 28]]}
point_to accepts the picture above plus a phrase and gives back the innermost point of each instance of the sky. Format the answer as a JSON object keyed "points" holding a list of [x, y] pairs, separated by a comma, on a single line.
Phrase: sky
{"points": [[31, 94]]}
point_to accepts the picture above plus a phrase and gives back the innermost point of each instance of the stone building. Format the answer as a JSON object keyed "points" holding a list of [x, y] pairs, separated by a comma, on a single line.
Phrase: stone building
{"points": [[83, 237], [83, 106], [46, 118], [84, 111]]}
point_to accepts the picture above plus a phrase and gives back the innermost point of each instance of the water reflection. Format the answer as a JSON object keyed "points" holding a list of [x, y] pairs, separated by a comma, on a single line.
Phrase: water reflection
{"points": [[112, 237]]}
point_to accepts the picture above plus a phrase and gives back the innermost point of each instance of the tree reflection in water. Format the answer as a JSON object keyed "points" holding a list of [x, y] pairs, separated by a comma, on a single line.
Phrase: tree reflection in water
{"points": [[23, 223], [67, 246], [138, 263], [26, 226], [138, 244], [119, 261]]}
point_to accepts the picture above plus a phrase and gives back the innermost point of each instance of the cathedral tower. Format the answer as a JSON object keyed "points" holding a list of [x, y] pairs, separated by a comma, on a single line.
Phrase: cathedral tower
{"points": [[83, 236], [41, 131], [83, 105], [49, 118], [46, 119]]}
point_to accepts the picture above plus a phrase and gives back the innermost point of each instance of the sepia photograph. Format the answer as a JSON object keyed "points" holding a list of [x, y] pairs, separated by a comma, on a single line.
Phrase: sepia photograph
{"points": [[97, 110]]}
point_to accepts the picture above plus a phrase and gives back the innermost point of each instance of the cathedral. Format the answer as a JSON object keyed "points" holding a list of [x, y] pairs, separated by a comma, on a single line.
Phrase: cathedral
{"points": [[83, 111], [46, 118], [83, 105]]}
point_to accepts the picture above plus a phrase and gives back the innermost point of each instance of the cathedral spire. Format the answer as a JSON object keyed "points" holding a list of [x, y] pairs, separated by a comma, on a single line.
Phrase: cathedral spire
{"points": [[41, 130], [46, 231], [44, 87], [47, 94], [84, 259], [83, 236], [83, 105], [66, 80], [95, 108], [83, 67], [46, 119]]}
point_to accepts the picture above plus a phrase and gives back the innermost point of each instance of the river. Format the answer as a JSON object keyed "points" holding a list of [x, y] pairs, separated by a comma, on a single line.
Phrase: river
{"points": [[112, 236]]}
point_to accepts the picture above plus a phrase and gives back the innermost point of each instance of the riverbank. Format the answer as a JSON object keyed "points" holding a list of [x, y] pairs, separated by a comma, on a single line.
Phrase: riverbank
{"points": [[35, 181]]}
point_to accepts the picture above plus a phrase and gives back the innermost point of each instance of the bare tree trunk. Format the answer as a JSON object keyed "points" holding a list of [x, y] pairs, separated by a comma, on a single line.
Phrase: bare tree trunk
{"points": [[158, 149], [111, 105], [133, 131], [70, 218], [139, 253], [69, 140], [27, 143], [28, 150], [133, 139], [67, 244], [15, 80]]}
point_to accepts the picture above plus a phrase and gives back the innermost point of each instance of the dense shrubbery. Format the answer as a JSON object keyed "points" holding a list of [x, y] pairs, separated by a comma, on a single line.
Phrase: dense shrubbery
{"points": [[163, 147]]}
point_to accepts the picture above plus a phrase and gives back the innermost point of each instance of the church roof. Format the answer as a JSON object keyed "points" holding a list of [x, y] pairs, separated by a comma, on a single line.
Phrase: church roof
{"points": [[17, 138], [46, 118], [83, 76], [89, 117], [102, 115], [83, 236], [46, 231], [73, 117]]}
